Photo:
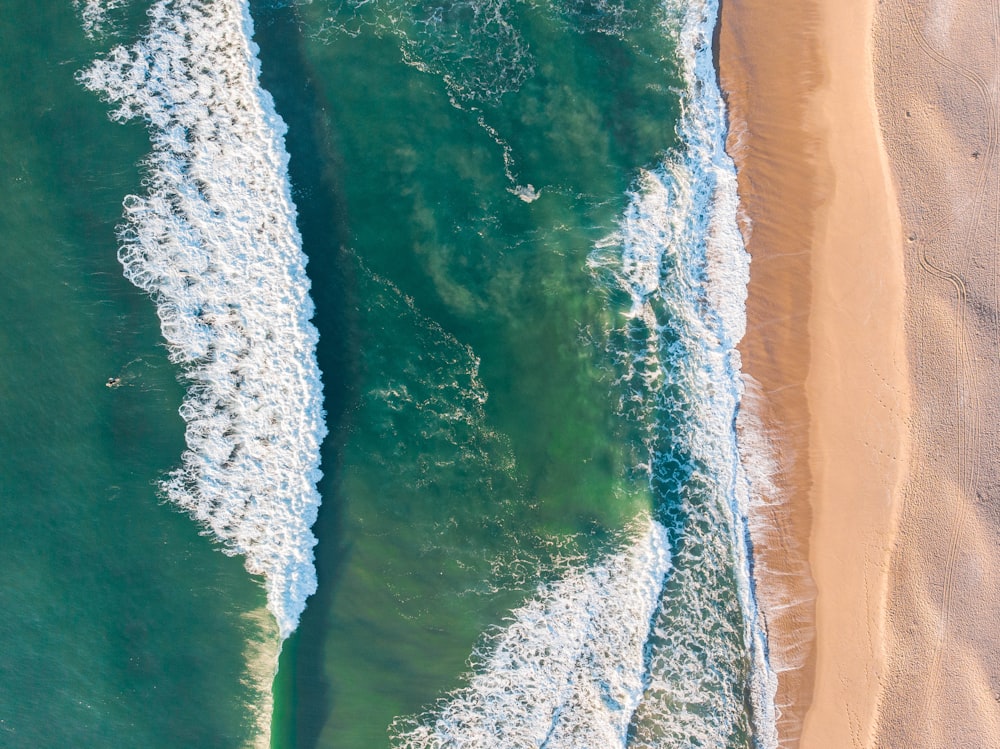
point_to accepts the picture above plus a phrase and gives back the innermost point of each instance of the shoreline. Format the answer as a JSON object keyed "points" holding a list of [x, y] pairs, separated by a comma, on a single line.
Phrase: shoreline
{"points": [[824, 354]]}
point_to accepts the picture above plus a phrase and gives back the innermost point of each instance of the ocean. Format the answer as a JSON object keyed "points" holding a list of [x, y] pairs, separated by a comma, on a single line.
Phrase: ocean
{"points": [[386, 347]]}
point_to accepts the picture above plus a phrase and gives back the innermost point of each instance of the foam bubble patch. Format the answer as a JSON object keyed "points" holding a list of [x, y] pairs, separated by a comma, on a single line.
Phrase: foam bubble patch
{"points": [[94, 14]]}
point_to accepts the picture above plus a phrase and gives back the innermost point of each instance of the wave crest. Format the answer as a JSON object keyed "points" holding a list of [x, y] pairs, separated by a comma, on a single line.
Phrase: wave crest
{"points": [[214, 242]]}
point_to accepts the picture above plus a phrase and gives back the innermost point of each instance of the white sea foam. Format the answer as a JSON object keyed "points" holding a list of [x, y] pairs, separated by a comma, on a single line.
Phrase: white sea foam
{"points": [[214, 242], [681, 261], [94, 14], [566, 672]]}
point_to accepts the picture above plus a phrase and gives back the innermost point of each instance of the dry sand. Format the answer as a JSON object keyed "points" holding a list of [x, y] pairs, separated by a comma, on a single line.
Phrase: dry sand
{"points": [[825, 348], [937, 71]]}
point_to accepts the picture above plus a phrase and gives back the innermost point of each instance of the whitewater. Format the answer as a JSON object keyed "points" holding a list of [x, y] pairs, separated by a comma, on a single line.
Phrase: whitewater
{"points": [[567, 670], [679, 258], [215, 244], [685, 269], [635, 651]]}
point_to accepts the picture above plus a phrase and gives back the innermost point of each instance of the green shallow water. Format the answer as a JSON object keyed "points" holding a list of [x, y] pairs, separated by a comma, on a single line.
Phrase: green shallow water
{"points": [[122, 626], [476, 438], [478, 444]]}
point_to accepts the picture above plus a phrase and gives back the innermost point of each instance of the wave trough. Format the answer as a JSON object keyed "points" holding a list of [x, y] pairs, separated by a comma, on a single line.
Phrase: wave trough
{"points": [[214, 242]]}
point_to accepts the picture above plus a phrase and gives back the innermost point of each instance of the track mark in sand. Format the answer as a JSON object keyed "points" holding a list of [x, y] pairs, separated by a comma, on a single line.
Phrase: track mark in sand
{"points": [[968, 406]]}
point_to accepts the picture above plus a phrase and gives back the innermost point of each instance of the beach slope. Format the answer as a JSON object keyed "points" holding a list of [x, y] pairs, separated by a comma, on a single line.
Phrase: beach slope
{"points": [[825, 354]]}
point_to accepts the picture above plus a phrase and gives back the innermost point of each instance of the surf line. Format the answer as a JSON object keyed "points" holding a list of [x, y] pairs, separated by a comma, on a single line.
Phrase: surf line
{"points": [[214, 243], [679, 259]]}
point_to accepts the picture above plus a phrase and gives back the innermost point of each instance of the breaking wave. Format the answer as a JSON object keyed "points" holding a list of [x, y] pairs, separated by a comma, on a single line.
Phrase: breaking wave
{"points": [[567, 670], [214, 243]]}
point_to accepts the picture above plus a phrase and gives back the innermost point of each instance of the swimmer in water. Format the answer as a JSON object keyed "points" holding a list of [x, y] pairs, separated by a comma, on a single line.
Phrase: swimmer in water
{"points": [[113, 382]]}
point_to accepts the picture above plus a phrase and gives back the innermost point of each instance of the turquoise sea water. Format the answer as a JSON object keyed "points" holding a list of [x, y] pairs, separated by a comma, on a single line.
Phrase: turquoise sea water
{"points": [[121, 624], [526, 351]]}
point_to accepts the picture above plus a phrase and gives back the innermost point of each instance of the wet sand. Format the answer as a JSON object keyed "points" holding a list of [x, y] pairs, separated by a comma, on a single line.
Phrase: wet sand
{"points": [[777, 158], [825, 353]]}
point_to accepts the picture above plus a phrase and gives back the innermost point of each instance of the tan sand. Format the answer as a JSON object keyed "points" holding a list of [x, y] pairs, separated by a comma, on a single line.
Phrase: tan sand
{"points": [[938, 77], [826, 345], [767, 87]]}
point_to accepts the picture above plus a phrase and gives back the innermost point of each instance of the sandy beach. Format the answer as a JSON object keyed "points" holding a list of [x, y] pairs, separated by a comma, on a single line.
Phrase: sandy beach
{"points": [[866, 140], [939, 112], [825, 353]]}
